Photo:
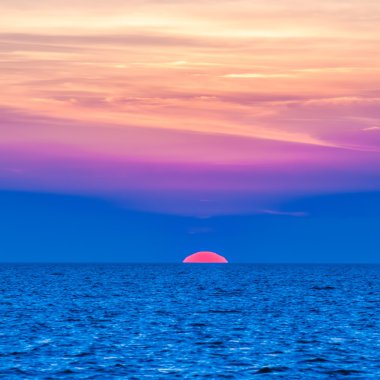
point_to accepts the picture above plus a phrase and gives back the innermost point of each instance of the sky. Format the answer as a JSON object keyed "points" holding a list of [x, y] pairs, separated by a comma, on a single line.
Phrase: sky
{"points": [[217, 125]]}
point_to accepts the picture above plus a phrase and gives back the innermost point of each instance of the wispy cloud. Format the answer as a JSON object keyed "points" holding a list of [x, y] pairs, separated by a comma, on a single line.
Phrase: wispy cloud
{"points": [[283, 213], [257, 75], [242, 97]]}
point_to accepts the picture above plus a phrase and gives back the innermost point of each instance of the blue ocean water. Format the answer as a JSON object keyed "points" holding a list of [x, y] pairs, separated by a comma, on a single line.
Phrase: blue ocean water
{"points": [[106, 321]]}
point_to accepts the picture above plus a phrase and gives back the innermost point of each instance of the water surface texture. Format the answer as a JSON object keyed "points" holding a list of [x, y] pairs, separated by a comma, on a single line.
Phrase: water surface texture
{"points": [[105, 321]]}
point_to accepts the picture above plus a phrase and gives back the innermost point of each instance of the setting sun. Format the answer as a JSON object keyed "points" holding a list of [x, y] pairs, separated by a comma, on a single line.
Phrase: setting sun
{"points": [[205, 257]]}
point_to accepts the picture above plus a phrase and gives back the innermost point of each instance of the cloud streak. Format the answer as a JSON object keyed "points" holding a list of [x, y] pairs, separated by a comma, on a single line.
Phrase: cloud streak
{"points": [[280, 99]]}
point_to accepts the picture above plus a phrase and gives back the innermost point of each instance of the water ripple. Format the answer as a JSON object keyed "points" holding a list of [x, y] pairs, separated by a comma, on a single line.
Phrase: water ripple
{"points": [[177, 321]]}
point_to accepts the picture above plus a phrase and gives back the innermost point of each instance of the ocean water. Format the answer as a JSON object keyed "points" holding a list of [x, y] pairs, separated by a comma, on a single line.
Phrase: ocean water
{"points": [[189, 321]]}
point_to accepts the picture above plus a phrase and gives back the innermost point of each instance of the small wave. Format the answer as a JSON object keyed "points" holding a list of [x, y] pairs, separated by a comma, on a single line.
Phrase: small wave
{"points": [[344, 372], [304, 341], [328, 287], [18, 371], [82, 354], [271, 369], [315, 360], [13, 353], [224, 311], [67, 372]]}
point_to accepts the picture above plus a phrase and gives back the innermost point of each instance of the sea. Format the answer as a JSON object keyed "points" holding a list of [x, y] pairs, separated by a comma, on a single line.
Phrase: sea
{"points": [[189, 321]]}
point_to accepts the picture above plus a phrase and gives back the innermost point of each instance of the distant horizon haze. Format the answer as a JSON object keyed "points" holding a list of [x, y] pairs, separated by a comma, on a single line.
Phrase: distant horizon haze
{"points": [[40, 227], [149, 129]]}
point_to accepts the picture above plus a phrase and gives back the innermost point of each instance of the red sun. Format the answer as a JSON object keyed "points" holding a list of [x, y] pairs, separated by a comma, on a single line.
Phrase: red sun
{"points": [[205, 257]]}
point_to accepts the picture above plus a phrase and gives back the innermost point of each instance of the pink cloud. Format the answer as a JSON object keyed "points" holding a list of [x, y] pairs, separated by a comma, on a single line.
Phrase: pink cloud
{"points": [[173, 107], [183, 187], [283, 213]]}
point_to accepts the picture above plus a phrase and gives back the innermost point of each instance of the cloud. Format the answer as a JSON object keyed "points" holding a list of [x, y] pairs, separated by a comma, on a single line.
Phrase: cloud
{"points": [[73, 42], [158, 184], [283, 213], [257, 75], [146, 99]]}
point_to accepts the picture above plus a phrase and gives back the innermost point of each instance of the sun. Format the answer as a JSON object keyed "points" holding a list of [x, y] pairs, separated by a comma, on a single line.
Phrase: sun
{"points": [[205, 257]]}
